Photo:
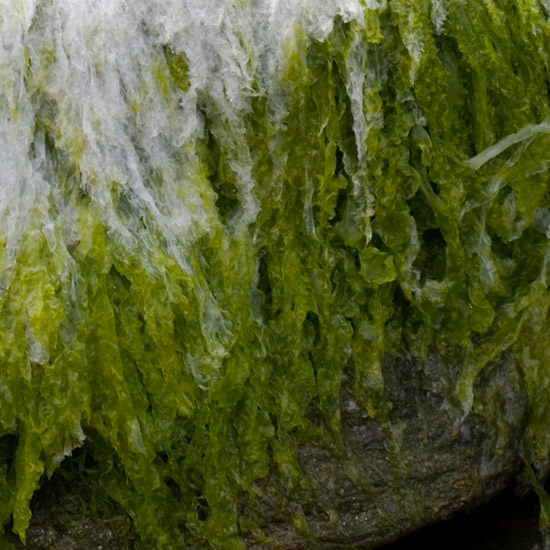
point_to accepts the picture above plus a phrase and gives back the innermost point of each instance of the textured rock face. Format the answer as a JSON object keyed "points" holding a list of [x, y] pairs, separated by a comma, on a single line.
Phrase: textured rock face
{"points": [[386, 482], [217, 218]]}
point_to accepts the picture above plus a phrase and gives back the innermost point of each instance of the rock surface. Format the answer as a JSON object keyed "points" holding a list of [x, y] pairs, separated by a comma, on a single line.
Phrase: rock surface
{"points": [[389, 481]]}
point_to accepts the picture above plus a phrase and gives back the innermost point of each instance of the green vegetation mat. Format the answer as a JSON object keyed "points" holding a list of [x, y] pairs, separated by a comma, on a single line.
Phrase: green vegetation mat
{"points": [[210, 210]]}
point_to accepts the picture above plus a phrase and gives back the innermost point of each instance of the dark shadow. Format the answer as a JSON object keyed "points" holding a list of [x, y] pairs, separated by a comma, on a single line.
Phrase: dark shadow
{"points": [[507, 522]]}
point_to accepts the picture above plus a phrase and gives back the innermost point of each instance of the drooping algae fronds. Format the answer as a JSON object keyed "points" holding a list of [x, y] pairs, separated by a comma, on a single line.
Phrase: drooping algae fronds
{"points": [[210, 210]]}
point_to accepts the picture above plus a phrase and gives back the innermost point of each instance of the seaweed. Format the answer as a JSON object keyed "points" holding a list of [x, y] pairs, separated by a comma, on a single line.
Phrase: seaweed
{"points": [[210, 214]]}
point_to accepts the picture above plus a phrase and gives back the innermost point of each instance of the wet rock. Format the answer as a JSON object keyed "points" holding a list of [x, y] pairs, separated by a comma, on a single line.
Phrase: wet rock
{"points": [[62, 521], [389, 480]]}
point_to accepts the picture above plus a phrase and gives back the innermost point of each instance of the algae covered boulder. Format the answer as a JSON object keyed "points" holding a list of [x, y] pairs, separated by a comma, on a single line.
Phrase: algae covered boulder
{"points": [[278, 269]]}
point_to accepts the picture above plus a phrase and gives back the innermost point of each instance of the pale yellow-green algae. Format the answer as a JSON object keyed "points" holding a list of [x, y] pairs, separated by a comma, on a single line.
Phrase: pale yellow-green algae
{"points": [[209, 210]]}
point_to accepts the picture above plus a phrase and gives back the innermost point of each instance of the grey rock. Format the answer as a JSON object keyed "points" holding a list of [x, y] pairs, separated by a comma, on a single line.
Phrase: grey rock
{"points": [[390, 480]]}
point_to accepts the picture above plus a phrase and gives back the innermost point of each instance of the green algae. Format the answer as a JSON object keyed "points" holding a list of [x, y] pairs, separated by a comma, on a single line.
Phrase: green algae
{"points": [[402, 205]]}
